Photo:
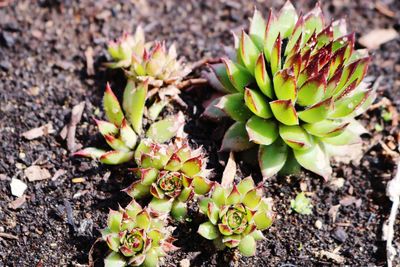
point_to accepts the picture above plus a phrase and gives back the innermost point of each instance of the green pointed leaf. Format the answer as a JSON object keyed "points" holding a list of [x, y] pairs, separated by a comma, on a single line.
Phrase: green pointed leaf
{"points": [[276, 55], [247, 246], [212, 212], [137, 190], [261, 131], [90, 152], [212, 112], [203, 204], [248, 52], [134, 103], [284, 112], [262, 219], [262, 77], [192, 166], [115, 143], [162, 206], [236, 138], [156, 108], [127, 134], [291, 165], [219, 195], [112, 107], [325, 128], [295, 39], [151, 259], [313, 22], [208, 231], [233, 197], [272, 158], [222, 75], [178, 210], [116, 157], [315, 160], [257, 103], [312, 91], [287, 19], [201, 185], [252, 198], [114, 259], [271, 34], [114, 220], [355, 71], [301, 204], [234, 106], [317, 112], [285, 85], [245, 185], [348, 105], [295, 137], [163, 130], [339, 28], [237, 74], [257, 29], [106, 128]]}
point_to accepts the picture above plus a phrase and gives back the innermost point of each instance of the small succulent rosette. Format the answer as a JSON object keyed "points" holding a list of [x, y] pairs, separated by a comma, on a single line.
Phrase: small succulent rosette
{"points": [[152, 63], [171, 173], [123, 132], [135, 238], [293, 88], [236, 216]]}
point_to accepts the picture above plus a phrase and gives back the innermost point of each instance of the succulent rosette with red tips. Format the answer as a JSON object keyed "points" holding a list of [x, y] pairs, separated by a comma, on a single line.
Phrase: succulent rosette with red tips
{"points": [[294, 89], [236, 216], [135, 238], [123, 132], [171, 173]]}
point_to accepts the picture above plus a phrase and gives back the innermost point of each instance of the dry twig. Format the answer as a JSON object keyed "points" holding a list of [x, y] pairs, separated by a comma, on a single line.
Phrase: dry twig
{"points": [[187, 83]]}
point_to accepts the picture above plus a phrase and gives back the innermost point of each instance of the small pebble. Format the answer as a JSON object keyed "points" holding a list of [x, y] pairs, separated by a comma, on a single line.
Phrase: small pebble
{"points": [[340, 234], [184, 263], [318, 224], [5, 65]]}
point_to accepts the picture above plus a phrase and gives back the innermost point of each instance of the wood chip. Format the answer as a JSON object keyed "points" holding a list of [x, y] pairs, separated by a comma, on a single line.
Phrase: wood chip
{"points": [[78, 180], [8, 236], [376, 37], [331, 256], [38, 132], [76, 117], [17, 203], [89, 61], [35, 173], [229, 172], [384, 10], [18, 187], [333, 211]]}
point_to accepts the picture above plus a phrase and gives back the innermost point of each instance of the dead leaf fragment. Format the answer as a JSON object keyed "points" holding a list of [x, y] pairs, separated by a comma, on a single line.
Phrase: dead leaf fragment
{"points": [[76, 116], [58, 174], [376, 37], [333, 212], [384, 9], [38, 132], [330, 256], [89, 61], [230, 171], [17, 203], [35, 173]]}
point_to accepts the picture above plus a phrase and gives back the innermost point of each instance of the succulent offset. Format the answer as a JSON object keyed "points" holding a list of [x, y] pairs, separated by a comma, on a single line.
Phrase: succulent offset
{"points": [[122, 132], [135, 238], [152, 63], [171, 173], [236, 215], [293, 88]]}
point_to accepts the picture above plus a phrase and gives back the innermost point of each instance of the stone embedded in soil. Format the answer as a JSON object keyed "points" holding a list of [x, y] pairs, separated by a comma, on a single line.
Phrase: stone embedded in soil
{"points": [[6, 39], [340, 234]]}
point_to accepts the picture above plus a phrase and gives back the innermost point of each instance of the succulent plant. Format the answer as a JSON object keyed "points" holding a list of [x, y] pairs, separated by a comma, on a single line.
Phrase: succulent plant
{"points": [[301, 204], [293, 88], [122, 136], [135, 237], [171, 173], [236, 216], [151, 63]]}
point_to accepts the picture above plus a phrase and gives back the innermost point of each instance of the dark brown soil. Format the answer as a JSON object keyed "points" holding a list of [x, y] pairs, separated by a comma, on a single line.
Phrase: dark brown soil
{"points": [[43, 75]]}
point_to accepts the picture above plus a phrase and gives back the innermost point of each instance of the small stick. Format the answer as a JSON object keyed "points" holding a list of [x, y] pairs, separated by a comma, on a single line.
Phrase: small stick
{"points": [[187, 83], [204, 61], [388, 150], [9, 236], [90, 256]]}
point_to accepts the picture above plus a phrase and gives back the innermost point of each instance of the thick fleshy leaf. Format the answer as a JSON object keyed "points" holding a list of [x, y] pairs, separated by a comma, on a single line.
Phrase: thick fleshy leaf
{"points": [[133, 208], [247, 246], [317, 112], [237, 74], [231, 241], [222, 75], [162, 206], [245, 185], [112, 107], [325, 36], [271, 34], [236, 138], [137, 190], [285, 85], [114, 260], [262, 78], [178, 210], [291, 165], [325, 128], [114, 220], [219, 195], [201, 185], [257, 235], [212, 212], [137, 260], [295, 137], [276, 55], [350, 135], [143, 219], [348, 105], [192, 166], [106, 128], [212, 112], [208, 231], [284, 112], [355, 71], [248, 52], [156, 108], [295, 39], [312, 91], [233, 197], [314, 159], [134, 103], [163, 130], [313, 22], [261, 131], [257, 103], [90, 152], [116, 157], [128, 136], [147, 175], [116, 143], [233, 105], [252, 198], [224, 229], [142, 148], [272, 158], [287, 19], [203, 204], [339, 28], [257, 29]]}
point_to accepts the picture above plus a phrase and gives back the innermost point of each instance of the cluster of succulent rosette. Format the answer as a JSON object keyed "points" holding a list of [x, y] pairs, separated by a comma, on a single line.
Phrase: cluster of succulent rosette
{"points": [[293, 89]]}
